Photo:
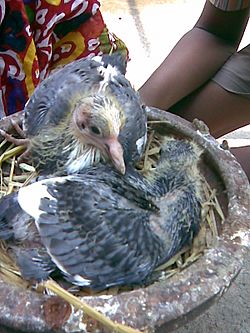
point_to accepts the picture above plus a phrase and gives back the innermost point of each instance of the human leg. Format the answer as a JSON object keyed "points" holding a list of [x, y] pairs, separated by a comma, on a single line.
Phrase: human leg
{"points": [[221, 110], [243, 156]]}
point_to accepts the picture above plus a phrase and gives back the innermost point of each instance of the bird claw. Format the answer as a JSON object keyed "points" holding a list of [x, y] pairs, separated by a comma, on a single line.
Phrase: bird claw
{"points": [[12, 139], [18, 128], [22, 141], [24, 156]]}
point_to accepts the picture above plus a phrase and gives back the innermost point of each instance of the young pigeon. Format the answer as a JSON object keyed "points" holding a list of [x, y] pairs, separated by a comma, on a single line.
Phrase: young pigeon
{"points": [[84, 113], [101, 229]]}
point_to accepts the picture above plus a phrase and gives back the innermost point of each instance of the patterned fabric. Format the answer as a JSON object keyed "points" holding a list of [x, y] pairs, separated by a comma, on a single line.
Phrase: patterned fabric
{"points": [[38, 35], [230, 5]]}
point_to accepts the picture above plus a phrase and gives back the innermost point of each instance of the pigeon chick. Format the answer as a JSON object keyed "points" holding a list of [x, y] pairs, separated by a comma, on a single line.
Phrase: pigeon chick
{"points": [[84, 113], [102, 229]]}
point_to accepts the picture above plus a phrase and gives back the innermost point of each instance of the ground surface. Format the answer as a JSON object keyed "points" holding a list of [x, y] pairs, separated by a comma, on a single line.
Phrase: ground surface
{"points": [[150, 28]]}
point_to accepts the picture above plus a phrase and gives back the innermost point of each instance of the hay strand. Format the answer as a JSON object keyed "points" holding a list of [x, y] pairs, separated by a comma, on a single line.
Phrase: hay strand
{"points": [[10, 153], [90, 311]]}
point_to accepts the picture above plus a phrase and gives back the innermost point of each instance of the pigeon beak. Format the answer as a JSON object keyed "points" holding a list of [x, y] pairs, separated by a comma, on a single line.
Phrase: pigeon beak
{"points": [[115, 152]]}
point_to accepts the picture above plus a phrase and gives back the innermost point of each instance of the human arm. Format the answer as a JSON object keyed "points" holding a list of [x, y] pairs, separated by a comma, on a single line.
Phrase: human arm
{"points": [[196, 57]]}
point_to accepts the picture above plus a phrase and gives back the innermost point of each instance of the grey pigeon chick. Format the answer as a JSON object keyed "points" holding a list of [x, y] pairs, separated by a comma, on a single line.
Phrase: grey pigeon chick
{"points": [[84, 113], [101, 229]]}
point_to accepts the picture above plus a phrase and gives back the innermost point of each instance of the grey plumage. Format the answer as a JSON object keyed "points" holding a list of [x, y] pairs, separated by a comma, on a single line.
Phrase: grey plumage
{"points": [[102, 229], [74, 113]]}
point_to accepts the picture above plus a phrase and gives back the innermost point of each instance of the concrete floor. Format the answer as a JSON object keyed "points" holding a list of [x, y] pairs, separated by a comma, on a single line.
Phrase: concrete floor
{"points": [[150, 28]]}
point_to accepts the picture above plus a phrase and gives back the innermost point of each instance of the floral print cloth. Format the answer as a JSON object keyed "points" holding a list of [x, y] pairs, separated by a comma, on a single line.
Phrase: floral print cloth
{"points": [[38, 35]]}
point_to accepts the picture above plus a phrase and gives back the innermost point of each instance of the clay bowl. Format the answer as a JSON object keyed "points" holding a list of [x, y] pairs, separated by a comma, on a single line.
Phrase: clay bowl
{"points": [[170, 303]]}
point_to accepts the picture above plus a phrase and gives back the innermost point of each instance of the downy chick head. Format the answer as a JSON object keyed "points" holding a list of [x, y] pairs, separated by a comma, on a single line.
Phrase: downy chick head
{"points": [[178, 163], [97, 121], [79, 116], [179, 154], [85, 136], [179, 166]]}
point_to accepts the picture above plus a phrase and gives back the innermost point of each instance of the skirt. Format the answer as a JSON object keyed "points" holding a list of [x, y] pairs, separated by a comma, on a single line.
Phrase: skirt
{"points": [[234, 76]]}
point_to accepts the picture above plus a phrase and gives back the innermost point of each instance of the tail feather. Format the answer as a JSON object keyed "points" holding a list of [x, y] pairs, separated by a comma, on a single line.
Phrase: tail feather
{"points": [[35, 264]]}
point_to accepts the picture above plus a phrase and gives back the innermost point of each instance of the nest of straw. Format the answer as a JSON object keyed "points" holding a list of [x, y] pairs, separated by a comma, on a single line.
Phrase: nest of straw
{"points": [[13, 176]]}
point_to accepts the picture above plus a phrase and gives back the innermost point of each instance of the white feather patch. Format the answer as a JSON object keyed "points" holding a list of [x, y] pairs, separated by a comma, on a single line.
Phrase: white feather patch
{"points": [[81, 281], [108, 75], [81, 159], [140, 143], [29, 197], [98, 59]]}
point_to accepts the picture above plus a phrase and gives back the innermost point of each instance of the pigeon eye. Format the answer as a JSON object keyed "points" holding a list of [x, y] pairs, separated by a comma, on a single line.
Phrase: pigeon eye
{"points": [[95, 130]]}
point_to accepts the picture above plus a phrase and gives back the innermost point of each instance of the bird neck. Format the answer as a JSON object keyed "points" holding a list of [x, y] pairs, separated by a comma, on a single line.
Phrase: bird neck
{"points": [[55, 150], [81, 157]]}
